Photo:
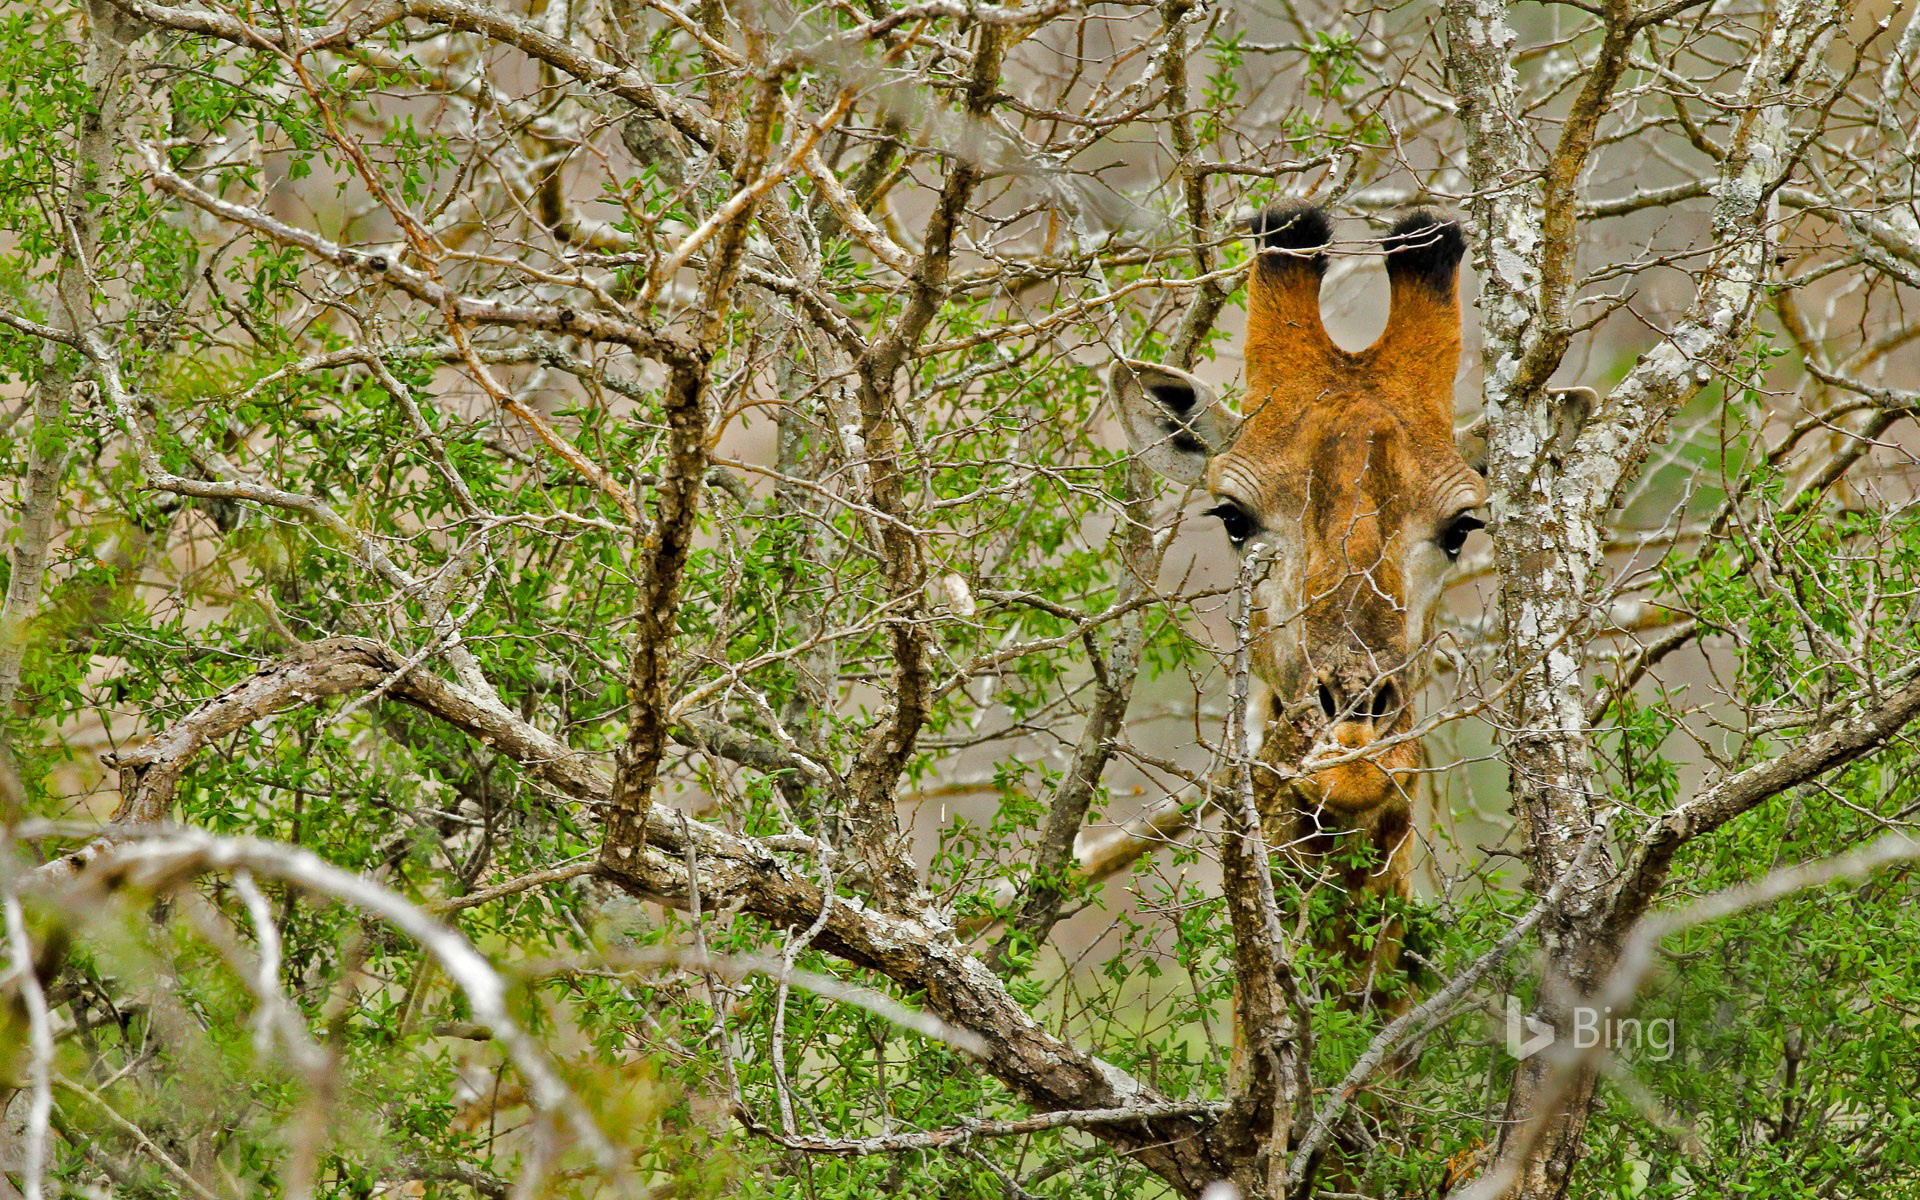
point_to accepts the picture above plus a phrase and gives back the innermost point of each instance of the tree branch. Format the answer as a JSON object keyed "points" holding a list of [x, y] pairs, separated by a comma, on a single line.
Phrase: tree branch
{"points": [[920, 954], [1866, 731]]}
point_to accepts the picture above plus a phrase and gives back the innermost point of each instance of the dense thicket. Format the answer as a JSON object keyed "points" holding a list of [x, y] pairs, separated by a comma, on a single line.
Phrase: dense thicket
{"points": [[578, 620]]}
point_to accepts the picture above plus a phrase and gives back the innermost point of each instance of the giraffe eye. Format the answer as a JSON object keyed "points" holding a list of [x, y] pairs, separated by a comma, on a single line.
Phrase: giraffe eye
{"points": [[1235, 520], [1454, 536]]}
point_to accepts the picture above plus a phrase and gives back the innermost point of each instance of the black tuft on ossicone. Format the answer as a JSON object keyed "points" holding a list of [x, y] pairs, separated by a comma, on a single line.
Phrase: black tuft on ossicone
{"points": [[1425, 246], [1297, 226]]}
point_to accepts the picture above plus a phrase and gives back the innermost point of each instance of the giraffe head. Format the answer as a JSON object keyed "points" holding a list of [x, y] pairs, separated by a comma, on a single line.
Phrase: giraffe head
{"points": [[1344, 475]]}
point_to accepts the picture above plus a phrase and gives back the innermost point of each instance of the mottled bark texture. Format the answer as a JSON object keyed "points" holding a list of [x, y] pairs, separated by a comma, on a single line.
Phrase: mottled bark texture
{"points": [[1556, 467]]}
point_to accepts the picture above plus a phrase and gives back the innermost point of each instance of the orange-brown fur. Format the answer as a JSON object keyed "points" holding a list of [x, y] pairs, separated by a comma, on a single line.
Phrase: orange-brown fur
{"points": [[1354, 451], [1343, 480], [1342, 485]]}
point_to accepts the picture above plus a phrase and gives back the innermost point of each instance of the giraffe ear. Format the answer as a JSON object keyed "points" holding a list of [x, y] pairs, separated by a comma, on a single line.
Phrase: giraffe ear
{"points": [[1174, 422]]}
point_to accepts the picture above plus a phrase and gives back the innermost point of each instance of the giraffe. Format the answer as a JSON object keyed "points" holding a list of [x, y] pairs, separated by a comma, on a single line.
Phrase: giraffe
{"points": [[1344, 476]]}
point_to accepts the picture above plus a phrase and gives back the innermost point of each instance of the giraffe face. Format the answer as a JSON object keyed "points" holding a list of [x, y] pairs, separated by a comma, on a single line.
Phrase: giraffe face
{"points": [[1343, 478]]}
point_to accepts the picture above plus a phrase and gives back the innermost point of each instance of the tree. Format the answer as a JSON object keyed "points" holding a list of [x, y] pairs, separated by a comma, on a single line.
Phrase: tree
{"points": [[593, 545]]}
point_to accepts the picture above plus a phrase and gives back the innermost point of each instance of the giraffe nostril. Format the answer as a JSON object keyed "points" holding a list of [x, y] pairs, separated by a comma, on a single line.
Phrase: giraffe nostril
{"points": [[1327, 702], [1386, 701]]}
